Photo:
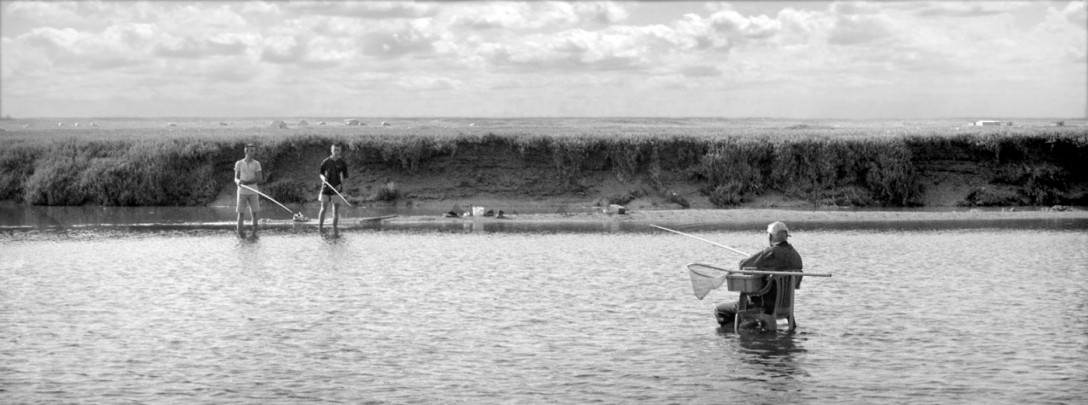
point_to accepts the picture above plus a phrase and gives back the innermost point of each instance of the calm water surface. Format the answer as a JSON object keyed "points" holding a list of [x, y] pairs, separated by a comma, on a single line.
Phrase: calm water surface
{"points": [[440, 316]]}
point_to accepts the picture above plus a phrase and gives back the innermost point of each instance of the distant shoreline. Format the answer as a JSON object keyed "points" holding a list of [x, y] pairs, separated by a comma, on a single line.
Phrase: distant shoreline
{"points": [[221, 218]]}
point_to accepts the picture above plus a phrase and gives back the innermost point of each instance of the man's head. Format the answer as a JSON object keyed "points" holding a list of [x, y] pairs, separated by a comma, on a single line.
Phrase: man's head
{"points": [[777, 232], [250, 149], [335, 149]]}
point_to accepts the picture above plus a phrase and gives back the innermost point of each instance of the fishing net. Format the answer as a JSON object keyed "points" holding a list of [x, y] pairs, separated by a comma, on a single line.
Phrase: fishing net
{"points": [[705, 279]]}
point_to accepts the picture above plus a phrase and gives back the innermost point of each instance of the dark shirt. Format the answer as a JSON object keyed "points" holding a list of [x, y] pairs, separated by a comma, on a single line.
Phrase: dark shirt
{"points": [[780, 257], [332, 169]]}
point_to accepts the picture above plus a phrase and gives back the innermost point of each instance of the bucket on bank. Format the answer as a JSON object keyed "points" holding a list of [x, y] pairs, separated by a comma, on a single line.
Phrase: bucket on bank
{"points": [[477, 211]]}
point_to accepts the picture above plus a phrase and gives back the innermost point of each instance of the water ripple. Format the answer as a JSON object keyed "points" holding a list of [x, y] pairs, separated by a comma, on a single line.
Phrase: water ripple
{"points": [[426, 317]]}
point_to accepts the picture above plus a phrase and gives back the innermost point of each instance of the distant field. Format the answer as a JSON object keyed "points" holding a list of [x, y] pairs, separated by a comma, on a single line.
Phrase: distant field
{"points": [[227, 128]]}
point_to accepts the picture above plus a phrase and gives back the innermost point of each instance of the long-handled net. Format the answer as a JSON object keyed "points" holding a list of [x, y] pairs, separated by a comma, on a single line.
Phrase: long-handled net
{"points": [[705, 279]]}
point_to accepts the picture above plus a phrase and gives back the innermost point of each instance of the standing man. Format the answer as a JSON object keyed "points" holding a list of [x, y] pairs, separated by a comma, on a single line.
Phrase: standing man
{"points": [[780, 256], [247, 172], [333, 173]]}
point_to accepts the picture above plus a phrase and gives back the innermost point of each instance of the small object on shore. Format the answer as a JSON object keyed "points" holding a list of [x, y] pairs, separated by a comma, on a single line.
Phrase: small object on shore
{"points": [[452, 214], [477, 211], [1059, 208], [617, 209], [298, 217], [279, 124], [502, 215], [171, 124], [489, 213]]}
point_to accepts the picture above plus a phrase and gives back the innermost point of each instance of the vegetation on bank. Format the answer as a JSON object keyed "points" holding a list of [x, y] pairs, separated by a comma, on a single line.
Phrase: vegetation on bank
{"points": [[826, 166]]}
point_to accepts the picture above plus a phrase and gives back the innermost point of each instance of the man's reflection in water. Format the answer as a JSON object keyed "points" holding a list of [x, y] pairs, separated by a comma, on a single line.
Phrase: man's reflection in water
{"points": [[770, 357]]}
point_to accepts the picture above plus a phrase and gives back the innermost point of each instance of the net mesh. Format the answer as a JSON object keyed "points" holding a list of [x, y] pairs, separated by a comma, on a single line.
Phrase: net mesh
{"points": [[705, 279]]}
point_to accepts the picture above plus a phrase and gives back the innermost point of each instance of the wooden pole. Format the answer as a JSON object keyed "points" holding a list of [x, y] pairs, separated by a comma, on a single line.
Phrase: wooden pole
{"points": [[763, 272], [704, 240]]}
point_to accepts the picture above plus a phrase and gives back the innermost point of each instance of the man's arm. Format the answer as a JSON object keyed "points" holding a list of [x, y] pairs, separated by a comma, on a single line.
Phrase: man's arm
{"points": [[343, 175], [755, 260]]}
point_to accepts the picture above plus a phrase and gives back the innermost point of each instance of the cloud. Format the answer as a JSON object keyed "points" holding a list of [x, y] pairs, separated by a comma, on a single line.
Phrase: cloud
{"points": [[517, 16], [428, 83], [858, 29], [70, 48], [964, 10], [1076, 12], [404, 40], [726, 29], [571, 50], [281, 49], [61, 13], [601, 12], [51, 40], [131, 35], [701, 71], [365, 9], [196, 48]]}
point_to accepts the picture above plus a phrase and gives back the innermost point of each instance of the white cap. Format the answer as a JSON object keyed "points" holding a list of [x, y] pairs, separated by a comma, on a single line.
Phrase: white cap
{"points": [[776, 227]]}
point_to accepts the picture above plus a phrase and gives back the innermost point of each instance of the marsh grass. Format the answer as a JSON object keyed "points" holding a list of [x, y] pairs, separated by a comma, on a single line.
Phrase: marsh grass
{"points": [[732, 161]]}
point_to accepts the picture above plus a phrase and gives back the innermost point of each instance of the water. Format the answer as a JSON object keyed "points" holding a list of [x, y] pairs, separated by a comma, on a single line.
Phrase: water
{"points": [[987, 315]]}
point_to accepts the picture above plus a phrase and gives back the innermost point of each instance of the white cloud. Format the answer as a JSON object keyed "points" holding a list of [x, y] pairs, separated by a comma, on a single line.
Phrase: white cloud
{"points": [[859, 29], [511, 51], [601, 12], [198, 47], [393, 43], [429, 83], [364, 10]]}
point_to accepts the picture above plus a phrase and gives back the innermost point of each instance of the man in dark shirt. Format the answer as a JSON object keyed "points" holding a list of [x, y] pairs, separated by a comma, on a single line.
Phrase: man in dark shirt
{"points": [[780, 256], [333, 172]]}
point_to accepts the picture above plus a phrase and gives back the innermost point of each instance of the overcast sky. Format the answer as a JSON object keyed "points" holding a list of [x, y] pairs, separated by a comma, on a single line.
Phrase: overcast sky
{"points": [[808, 59]]}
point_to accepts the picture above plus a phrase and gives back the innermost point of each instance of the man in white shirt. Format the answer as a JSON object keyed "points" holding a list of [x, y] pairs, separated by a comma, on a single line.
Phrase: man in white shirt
{"points": [[247, 172]]}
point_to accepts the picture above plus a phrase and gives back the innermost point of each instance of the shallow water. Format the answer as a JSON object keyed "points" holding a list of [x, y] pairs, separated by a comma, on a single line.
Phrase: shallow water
{"points": [[990, 315]]}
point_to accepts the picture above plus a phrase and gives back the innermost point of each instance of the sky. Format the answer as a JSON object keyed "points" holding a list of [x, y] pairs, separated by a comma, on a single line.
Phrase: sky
{"points": [[807, 59]]}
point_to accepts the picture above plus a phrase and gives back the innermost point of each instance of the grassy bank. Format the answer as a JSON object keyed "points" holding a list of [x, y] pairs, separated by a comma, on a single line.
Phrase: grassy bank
{"points": [[679, 162]]}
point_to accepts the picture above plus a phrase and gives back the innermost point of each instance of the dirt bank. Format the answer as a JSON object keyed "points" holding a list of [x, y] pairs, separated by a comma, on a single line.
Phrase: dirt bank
{"points": [[928, 173], [643, 165]]}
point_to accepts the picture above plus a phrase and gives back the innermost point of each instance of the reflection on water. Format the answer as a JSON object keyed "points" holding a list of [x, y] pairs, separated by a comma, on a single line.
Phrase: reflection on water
{"points": [[464, 316], [20, 217]]}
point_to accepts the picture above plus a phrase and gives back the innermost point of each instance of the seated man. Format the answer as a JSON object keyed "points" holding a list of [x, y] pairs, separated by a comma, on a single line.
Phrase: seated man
{"points": [[780, 256]]}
